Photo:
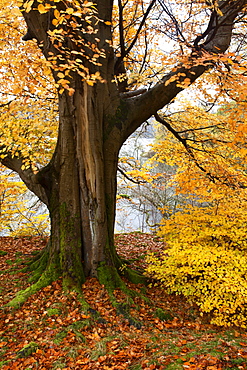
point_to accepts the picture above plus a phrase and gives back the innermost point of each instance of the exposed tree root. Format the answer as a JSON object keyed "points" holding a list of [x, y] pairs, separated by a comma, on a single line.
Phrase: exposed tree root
{"points": [[134, 276], [44, 272], [110, 278], [49, 275]]}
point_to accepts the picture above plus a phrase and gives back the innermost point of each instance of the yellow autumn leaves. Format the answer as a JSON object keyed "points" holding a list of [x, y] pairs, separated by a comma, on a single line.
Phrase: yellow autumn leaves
{"points": [[206, 255], [206, 260]]}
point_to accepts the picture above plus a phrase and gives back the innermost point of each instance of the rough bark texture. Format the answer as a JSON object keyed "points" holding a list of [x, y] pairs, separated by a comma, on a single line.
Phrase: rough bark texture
{"points": [[79, 184]]}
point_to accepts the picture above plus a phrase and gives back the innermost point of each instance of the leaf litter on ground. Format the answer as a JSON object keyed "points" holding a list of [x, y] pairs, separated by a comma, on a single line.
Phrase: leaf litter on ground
{"points": [[52, 330]]}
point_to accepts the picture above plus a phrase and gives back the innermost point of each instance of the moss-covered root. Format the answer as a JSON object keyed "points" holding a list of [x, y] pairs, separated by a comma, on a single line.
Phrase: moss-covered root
{"points": [[73, 283], [109, 277], [38, 267], [37, 264], [28, 349], [130, 274], [49, 275], [134, 276]]}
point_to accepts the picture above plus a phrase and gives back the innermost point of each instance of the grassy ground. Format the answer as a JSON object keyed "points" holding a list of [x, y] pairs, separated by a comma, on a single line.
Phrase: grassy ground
{"points": [[152, 331]]}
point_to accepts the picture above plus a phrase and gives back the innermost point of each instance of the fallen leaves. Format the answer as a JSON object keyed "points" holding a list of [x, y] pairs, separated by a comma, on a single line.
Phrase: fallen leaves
{"points": [[66, 336]]}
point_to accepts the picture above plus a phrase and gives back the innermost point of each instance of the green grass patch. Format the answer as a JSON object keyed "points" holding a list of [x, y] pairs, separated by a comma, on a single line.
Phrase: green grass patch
{"points": [[53, 311], [10, 262], [76, 327], [163, 315], [59, 364], [101, 347], [28, 349]]}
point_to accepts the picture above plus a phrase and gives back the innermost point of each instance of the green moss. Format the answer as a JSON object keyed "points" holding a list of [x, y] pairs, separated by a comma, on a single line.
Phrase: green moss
{"points": [[123, 309], [3, 363], [75, 327], [80, 324], [238, 361], [163, 315], [18, 254], [79, 335], [73, 275], [53, 311], [9, 262], [109, 277], [175, 365], [59, 364], [59, 337], [136, 367], [83, 302], [28, 349], [19, 261], [100, 348], [3, 253], [72, 352], [37, 264], [135, 277], [47, 266]]}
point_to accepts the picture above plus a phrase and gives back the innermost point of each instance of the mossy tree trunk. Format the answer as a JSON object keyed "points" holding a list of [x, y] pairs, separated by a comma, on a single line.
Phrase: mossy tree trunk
{"points": [[80, 184]]}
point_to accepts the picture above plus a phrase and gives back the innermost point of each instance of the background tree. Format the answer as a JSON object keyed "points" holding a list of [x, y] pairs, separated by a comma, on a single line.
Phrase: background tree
{"points": [[145, 194], [99, 55]]}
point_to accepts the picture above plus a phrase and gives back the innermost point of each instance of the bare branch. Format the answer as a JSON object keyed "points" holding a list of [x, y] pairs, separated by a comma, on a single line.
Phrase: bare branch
{"points": [[130, 94], [121, 33], [124, 52], [189, 149], [200, 128], [130, 178], [183, 141]]}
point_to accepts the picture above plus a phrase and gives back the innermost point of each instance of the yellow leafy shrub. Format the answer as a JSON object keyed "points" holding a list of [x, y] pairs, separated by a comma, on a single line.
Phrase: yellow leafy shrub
{"points": [[206, 262]]}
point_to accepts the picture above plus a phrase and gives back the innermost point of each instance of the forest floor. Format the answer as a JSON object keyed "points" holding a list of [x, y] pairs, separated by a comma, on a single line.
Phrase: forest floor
{"points": [[51, 330]]}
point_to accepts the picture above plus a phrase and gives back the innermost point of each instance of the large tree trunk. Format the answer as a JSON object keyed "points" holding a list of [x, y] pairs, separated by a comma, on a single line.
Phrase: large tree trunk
{"points": [[81, 186], [80, 181]]}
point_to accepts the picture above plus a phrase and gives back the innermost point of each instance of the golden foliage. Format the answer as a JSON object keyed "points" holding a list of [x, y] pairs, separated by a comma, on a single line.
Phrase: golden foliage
{"points": [[206, 258]]}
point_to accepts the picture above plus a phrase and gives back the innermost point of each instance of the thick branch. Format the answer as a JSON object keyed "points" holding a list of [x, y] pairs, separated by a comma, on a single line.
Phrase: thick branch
{"points": [[143, 107], [28, 177], [121, 33]]}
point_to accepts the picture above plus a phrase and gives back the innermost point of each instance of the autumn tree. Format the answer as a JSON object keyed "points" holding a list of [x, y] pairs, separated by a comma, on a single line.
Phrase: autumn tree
{"points": [[205, 259], [111, 75]]}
